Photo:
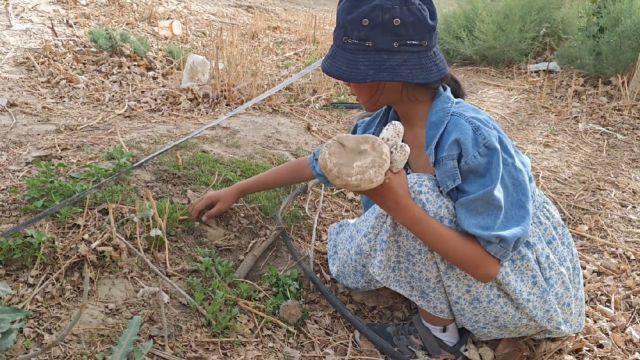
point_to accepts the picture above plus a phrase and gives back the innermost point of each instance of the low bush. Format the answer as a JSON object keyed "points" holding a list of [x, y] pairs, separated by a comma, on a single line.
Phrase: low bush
{"points": [[605, 41], [503, 33]]}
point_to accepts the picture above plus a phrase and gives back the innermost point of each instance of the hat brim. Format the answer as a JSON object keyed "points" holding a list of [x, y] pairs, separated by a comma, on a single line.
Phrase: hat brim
{"points": [[367, 66]]}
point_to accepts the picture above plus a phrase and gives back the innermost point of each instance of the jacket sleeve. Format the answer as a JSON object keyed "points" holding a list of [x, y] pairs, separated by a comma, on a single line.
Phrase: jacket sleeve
{"points": [[493, 199]]}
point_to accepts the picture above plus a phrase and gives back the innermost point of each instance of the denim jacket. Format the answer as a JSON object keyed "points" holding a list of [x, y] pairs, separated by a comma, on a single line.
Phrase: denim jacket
{"points": [[477, 166]]}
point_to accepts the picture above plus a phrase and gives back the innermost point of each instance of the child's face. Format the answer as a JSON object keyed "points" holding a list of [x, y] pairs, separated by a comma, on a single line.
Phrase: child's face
{"points": [[375, 95]]}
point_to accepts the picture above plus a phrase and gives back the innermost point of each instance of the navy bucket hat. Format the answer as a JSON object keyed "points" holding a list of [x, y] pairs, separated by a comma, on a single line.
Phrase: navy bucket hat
{"points": [[386, 40]]}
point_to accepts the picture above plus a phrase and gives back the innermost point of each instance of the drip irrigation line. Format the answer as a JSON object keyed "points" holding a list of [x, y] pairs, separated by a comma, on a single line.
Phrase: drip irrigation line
{"points": [[81, 195], [357, 323]]}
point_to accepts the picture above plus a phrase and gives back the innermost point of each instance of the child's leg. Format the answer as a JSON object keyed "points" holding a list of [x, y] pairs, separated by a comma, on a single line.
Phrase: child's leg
{"points": [[373, 251]]}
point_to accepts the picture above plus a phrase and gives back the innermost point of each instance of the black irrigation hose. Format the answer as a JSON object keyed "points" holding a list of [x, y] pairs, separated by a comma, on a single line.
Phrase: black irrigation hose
{"points": [[81, 195], [357, 323]]}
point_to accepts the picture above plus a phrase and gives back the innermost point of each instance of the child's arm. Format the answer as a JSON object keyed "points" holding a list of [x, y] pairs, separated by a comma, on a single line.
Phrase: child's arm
{"points": [[292, 172], [462, 250]]}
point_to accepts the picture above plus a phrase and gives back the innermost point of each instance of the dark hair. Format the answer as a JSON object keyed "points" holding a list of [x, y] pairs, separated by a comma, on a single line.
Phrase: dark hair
{"points": [[453, 83]]}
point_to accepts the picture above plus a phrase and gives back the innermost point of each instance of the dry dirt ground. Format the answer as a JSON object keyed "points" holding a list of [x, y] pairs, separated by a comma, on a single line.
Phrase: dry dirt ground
{"points": [[70, 103]]}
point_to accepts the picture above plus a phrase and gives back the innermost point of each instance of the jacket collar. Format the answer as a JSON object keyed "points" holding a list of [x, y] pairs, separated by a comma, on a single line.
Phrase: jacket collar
{"points": [[438, 118]]}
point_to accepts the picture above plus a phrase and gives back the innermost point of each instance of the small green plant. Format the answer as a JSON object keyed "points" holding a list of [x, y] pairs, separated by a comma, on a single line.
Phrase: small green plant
{"points": [[115, 41], [285, 286], [22, 249], [52, 183], [120, 156], [209, 170], [173, 211], [177, 53], [10, 318], [124, 347], [216, 290], [605, 39]]}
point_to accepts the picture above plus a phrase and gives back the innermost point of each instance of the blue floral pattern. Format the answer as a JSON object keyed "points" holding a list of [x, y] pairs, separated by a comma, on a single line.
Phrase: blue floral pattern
{"points": [[538, 291]]}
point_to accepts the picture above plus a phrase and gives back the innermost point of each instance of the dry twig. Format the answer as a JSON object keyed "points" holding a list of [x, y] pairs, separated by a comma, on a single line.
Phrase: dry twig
{"points": [[67, 329], [163, 277]]}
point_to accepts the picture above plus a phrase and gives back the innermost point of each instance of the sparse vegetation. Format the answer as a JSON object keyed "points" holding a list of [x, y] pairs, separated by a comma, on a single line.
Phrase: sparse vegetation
{"points": [[173, 212], [285, 286], [207, 170], [53, 184], [116, 41], [10, 318], [124, 347], [22, 249], [177, 53], [216, 291]]}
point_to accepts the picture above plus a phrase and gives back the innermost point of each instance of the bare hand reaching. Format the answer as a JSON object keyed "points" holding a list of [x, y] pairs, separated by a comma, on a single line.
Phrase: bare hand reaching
{"points": [[216, 201]]}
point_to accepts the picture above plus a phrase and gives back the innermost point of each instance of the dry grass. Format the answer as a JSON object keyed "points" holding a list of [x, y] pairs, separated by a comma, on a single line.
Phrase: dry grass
{"points": [[72, 102]]}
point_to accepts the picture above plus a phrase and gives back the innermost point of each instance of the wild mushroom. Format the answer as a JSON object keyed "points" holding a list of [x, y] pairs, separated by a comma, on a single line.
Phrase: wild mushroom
{"points": [[360, 162]]}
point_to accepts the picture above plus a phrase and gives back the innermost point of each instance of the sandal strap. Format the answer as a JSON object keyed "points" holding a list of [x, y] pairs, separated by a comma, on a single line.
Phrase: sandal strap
{"points": [[434, 346], [429, 341]]}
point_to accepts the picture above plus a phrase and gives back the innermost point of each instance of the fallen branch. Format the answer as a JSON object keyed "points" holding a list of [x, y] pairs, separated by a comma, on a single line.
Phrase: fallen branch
{"points": [[13, 117], [246, 306], [314, 230], [41, 285], [256, 252], [163, 277], [67, 330]]}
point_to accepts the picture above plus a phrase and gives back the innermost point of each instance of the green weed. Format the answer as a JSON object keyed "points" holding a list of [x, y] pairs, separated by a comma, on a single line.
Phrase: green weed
{"points": [[22, 249], [10, 321], [207, 170], [53, 183], [173, 211], [115, 41], [177, 53], [285, 286], [215, 289]]}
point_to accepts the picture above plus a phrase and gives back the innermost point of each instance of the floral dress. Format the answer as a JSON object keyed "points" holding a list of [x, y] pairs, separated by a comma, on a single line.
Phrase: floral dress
{"points": [[538, 291]]}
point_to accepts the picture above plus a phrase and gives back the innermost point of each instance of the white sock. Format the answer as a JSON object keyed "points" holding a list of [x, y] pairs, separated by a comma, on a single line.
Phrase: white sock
{"points": [[448, 334]]}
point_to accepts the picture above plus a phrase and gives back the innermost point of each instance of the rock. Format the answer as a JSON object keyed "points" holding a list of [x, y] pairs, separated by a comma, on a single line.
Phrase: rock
{"points": [[290, 311], [486, 353]]}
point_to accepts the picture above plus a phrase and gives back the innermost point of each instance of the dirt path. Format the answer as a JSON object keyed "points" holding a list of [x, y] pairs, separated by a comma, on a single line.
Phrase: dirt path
{"points": [[72, 103]]}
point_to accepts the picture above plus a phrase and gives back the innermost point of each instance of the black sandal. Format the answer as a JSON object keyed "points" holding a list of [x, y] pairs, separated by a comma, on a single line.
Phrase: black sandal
{"points": [[413, 336]]}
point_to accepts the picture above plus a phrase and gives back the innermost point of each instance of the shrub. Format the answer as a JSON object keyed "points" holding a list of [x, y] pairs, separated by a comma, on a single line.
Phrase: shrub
{"points": [[605, 42], [113, 41], [503, 33]]}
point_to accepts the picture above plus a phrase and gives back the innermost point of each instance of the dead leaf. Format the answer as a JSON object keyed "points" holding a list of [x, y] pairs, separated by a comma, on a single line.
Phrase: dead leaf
{"points": [[486, 353], [511, 349], [619, 339], [471, 351]]}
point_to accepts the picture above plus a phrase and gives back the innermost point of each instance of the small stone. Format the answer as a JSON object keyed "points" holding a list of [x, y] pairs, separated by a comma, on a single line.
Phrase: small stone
{"points": [[290, 311], [291, 354]]}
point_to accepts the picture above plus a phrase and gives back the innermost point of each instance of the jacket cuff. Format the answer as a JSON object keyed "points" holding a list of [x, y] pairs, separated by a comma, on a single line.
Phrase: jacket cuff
{"points": [[314, 164]]}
